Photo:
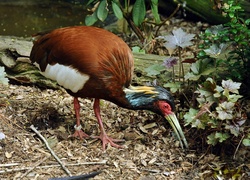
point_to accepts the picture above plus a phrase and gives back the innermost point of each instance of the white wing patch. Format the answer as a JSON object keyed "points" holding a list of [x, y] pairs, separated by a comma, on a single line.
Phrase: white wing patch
{"points": [[66, 76]]}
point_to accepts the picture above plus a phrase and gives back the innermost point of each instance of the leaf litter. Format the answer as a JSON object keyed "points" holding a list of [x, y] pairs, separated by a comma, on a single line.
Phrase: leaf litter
{"points": [[51, 112], [152, 151]]}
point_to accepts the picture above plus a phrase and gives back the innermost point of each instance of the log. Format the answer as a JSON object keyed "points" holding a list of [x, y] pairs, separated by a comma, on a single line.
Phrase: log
{"points": [[202, 10], [14, 56], [206, 10]]}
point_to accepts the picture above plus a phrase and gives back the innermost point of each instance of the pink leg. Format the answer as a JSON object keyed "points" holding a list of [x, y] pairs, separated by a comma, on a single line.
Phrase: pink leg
{"points": [[78, 131], [103, 136]]}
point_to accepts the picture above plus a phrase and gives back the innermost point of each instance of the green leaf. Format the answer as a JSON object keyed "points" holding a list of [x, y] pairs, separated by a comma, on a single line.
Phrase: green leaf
{"points": [[197, 119], [221, 136], [231, 14], [137, 49], [234, 98], [191, 76], [174, 86], [189, 116], [139, 12], [246, 142], [247, 22], [91, 19], [154, 8], [211, 139], [154, 69], [201, 53], [234, 129], [198, 69], [208, 91], [102, 11], [225, 110], [90, 1], [117, 10]]}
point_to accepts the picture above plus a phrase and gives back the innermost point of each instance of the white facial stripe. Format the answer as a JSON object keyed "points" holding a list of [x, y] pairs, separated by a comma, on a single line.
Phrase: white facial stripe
{"points": [[66, 76]]}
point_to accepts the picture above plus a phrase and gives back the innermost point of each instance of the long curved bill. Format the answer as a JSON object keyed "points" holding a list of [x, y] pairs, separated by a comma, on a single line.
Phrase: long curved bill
{"points": [[173, 121]]}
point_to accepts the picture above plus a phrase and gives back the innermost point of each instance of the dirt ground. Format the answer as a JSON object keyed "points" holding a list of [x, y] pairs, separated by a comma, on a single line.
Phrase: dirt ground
{"points": [[151, 151]]}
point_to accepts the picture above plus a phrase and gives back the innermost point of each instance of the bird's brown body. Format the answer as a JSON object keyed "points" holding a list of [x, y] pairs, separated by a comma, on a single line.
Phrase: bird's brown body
{"points": [[110, 68], [92, 62]]}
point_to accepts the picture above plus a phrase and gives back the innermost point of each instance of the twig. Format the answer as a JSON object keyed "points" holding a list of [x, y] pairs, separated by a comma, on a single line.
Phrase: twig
{"points": [[10, 164], [160, 25], [137, 31], [51, 166], [34, 166], [51, 151], [236, 150], [151, 170]]}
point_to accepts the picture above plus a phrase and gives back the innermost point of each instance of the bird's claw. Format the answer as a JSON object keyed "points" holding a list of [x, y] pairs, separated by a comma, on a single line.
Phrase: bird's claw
{"points": [[107, 140], [79, 133]]}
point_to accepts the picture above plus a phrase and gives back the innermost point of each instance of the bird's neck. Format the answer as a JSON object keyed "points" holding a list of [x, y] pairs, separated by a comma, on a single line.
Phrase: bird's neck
{"points": [[139, 97]]}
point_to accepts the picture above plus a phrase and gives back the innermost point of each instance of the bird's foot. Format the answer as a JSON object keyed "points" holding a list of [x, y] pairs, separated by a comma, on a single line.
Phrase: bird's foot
{"points": [[79, 133], [108, 140]]}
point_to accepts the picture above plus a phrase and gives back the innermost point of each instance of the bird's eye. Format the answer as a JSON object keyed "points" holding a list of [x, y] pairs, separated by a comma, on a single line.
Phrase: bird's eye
{"points": [[165, 107]]}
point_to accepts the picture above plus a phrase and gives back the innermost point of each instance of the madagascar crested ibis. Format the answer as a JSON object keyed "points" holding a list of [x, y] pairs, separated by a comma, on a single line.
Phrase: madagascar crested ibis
{"points": [[90, 62]]}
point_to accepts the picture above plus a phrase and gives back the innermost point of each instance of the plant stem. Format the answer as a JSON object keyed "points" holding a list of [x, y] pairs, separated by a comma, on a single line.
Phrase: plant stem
{"points": [[164, 22], [127, 16], [173, 75], [181, 68]]}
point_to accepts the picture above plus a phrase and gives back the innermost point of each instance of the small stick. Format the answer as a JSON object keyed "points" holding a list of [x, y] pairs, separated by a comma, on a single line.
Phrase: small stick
{"points": [[151, 170], [34, 166], [238, 146], [51, 151], [8, 165], [52, 166]]}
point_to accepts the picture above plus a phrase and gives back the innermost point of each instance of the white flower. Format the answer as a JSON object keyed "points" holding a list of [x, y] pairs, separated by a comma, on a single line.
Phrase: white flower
{"points": [[179, 38]]}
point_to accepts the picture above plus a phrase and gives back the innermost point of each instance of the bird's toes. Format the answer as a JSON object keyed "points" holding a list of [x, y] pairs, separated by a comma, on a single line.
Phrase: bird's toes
{"points": [[111, 144], [79, 134], [107, 140]]}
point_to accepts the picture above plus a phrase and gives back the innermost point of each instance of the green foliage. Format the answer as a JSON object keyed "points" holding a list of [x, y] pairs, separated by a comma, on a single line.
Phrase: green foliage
{"points": [[154, 69], [102, 10], [137, 49], [200, 68], [173, 86], [228, 46], [121, 9], [225, 119], [246, 141], [91, 19], [154, 7], [224, 54], [117, 10], [139, 12]]}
